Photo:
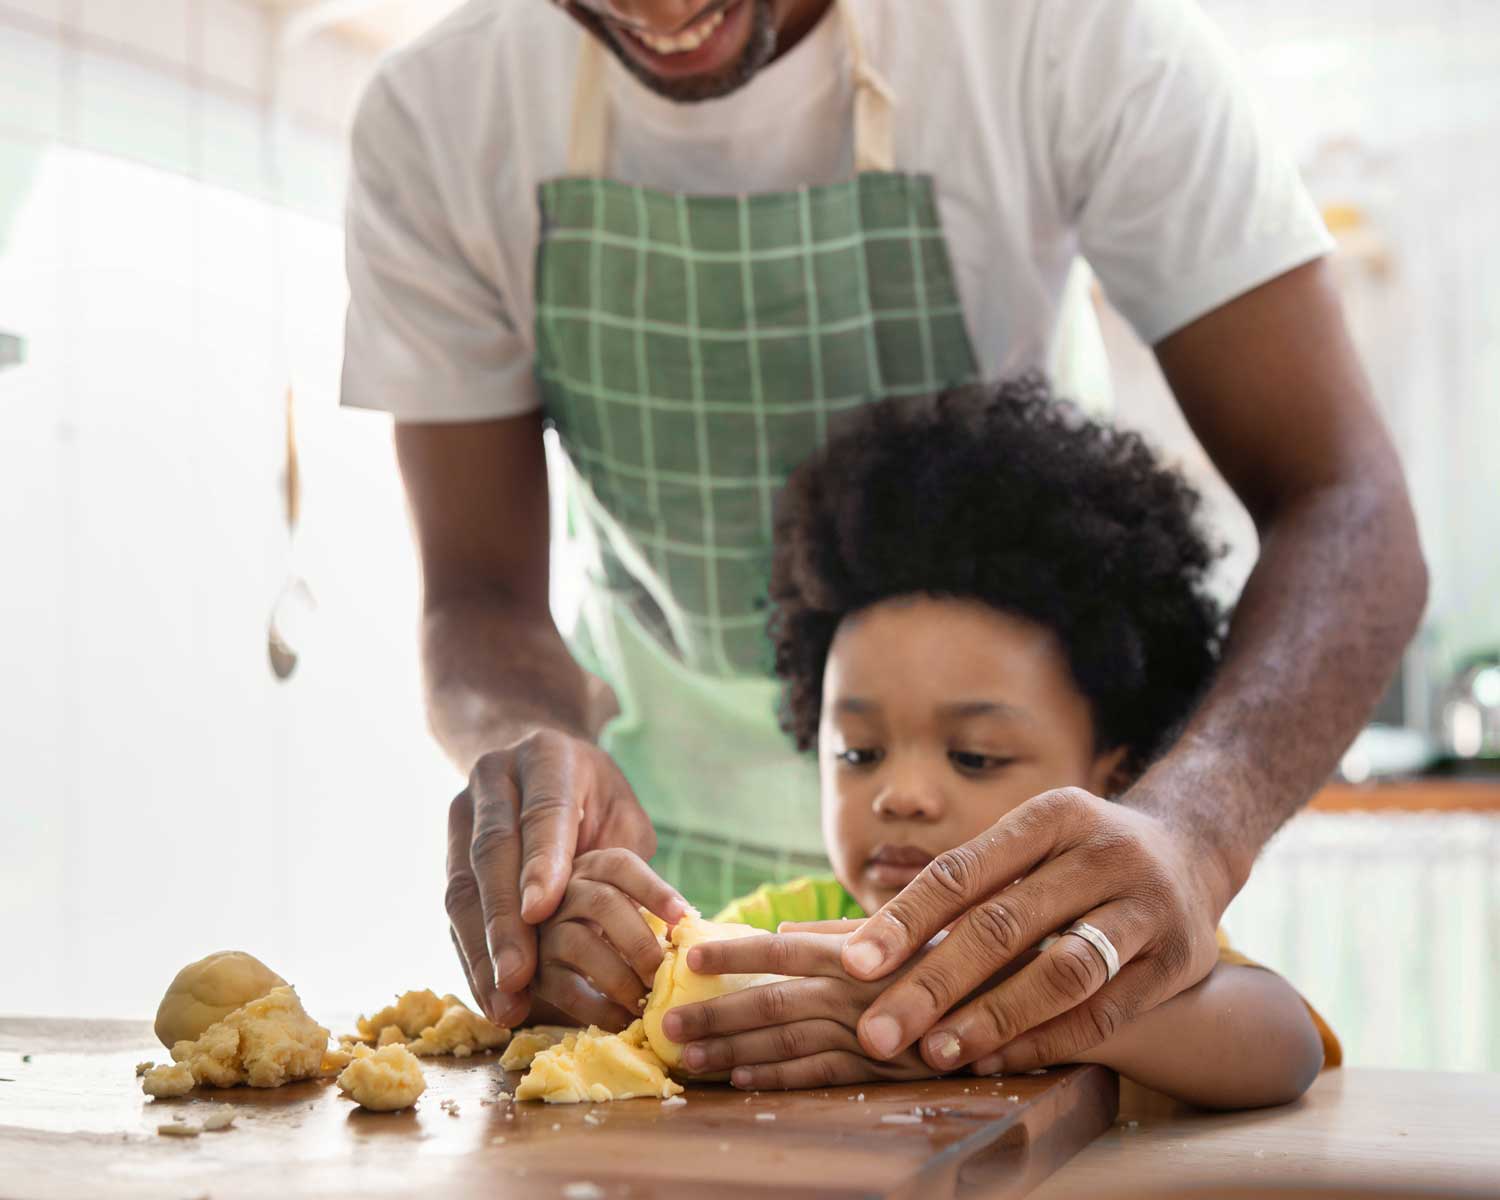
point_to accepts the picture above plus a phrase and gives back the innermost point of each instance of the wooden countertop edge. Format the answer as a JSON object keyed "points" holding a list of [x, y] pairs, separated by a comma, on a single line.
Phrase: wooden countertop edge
{"points": [[1410, 795]]}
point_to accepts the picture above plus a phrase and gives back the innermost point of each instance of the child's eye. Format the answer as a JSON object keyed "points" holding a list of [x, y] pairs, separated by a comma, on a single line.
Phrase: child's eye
{"points": [[858, 758], [967, 760]]}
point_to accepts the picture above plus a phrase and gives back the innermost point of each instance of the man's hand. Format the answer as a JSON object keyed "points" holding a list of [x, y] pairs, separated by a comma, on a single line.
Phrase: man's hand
{"points": [[513, 834], [1063, 855], [597, 955], [799, 1033]]}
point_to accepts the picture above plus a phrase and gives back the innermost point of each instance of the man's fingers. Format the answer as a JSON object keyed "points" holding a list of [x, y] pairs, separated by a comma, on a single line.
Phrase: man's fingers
{"points": [[495, 854], [573, 944], [567, 992], [778, 1043], [757, 1007], [986, 939], [546, 778], [955, 881], [770, 954], [1061, 977], [1137, 988], [466, 919]]}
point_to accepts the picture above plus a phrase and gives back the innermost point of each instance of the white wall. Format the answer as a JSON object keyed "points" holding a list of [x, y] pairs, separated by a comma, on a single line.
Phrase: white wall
{"points": [[160, 795], [1416, 86]]}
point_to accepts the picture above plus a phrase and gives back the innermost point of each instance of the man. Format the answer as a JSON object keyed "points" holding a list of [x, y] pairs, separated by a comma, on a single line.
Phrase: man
{"points": [[690, 236]]}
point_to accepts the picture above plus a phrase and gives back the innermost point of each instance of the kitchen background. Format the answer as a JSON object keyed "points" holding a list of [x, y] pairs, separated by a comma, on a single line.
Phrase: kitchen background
{"points": [[171, 176]]}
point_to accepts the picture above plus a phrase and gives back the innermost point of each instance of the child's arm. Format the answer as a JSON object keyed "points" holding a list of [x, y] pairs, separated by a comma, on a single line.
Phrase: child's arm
{"points": [[1242, 1038]]}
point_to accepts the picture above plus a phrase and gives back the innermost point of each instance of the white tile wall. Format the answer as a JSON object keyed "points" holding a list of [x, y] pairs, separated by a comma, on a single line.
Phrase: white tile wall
{"points": [[31, 84], [236, 39], [160, 29]]}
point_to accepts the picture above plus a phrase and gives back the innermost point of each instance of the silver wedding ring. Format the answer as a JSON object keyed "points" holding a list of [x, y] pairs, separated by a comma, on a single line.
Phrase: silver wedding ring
{"points": [[1105, 947]]}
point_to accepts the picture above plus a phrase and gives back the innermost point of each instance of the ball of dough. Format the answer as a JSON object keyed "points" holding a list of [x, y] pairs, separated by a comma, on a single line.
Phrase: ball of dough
{"points": [[209, 990], [383, 1080], [676, 985]]}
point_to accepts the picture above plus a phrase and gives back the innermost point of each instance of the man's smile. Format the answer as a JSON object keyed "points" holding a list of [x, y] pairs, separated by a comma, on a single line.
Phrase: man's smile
{"points": [[706, 47]]}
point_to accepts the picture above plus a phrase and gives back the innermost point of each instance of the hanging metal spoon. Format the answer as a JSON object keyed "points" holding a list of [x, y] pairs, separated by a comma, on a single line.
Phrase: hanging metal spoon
{"points": [[295, 605]]}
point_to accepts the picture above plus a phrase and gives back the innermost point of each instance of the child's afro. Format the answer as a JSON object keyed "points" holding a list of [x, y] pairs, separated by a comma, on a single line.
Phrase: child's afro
{"points": [[1006, 495]]}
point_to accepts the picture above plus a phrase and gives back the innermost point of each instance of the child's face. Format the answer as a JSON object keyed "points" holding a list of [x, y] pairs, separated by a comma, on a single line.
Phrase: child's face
{"points": [[940, 716]]}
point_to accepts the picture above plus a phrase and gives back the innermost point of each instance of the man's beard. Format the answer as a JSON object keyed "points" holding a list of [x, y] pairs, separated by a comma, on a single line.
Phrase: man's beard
{"points": [[758, 51]]}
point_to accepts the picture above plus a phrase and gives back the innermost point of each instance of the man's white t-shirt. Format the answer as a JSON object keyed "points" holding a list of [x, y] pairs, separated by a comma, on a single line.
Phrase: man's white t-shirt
{"points": [[1119, 130]]}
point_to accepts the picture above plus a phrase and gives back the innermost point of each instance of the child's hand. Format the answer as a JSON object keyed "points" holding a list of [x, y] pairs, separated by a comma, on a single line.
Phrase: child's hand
{"points": [[796, 1034], [596, 956]]}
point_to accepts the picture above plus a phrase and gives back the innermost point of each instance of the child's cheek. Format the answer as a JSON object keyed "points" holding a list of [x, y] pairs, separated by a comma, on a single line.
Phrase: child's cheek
{"points": [[846, 836]]}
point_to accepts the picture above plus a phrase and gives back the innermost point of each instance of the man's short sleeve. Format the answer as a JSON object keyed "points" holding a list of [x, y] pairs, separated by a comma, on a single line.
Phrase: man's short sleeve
{"points": [[427, 337], [1182, 198]]}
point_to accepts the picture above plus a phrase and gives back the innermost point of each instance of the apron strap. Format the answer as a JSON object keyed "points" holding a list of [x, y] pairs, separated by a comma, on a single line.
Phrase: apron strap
{"points": [[588, 138], [588, 135], [874, 134]]}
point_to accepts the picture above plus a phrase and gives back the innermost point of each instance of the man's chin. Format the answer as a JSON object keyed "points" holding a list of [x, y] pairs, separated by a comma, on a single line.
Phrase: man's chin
{"points": [[750, 24]]}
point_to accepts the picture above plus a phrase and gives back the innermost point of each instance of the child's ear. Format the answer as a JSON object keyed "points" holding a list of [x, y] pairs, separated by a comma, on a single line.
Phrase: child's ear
{"points": [[1109, 776]]}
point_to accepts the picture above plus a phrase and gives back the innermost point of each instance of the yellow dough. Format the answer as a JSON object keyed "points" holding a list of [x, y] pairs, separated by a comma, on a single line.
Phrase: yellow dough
{"points": [[412, 1013], [431, 1026], [526, 1044], [208, 991], [596, 1066], [676, 985], [266, 1043], [383, 1080], [167, 1080], [459, 1031]]}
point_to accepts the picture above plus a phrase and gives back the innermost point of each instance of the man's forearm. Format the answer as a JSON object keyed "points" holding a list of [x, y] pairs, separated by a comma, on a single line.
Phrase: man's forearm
{"points": [[493, 674], [1334, 598]]}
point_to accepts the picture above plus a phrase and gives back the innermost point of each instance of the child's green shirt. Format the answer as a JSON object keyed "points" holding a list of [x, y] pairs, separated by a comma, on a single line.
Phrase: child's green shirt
{"points": [[810, 898]]}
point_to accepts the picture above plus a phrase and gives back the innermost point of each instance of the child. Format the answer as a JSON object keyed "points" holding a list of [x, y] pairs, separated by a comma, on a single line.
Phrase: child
{"points": [[978, 598]]}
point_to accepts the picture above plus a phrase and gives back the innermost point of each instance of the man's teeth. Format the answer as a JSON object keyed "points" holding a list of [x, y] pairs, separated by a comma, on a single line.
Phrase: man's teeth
{"points": [[681, 43]]}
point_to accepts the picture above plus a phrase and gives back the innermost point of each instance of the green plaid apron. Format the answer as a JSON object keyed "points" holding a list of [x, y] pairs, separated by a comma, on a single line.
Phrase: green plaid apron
{"points": [[691, 351]]}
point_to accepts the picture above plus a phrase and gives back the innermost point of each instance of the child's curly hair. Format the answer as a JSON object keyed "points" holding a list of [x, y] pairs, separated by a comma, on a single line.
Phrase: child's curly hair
{"points": [[1009, 496]]}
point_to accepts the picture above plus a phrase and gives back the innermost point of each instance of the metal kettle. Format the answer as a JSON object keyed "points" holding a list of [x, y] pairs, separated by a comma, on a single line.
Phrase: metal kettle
{"points": [[1471, 710]]}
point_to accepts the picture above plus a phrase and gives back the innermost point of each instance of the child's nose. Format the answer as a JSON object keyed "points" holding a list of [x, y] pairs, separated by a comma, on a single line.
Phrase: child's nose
{"points": [[908, 800]]}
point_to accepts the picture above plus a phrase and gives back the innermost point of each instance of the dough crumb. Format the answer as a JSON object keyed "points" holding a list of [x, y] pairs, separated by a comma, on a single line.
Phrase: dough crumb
{"points": [[412, 1013], [142, 1067], [221, 1116], [526, 1044], [383, 1080], [901, 1119], [673, 1102], [583, 1191], [498, 1140], [765, 1116], [179, 1129], [269, 1042], [598, 1066], [596, 1119], [168, 1080], [431, 1027]]}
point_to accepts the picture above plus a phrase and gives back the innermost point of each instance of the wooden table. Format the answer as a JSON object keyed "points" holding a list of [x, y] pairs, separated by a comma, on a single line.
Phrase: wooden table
{"points": [[73, 1123], [1357, 1133]]}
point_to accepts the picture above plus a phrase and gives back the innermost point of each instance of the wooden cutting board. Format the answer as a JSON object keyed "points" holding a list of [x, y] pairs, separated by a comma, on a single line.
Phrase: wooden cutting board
{"points": [[73, 1123]]}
